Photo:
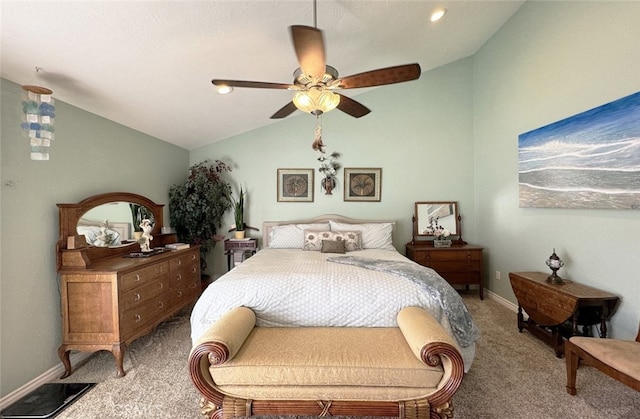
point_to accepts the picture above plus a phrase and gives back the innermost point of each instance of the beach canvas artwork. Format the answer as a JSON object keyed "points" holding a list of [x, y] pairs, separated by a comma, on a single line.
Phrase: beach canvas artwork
{"points": [[590, 160]]}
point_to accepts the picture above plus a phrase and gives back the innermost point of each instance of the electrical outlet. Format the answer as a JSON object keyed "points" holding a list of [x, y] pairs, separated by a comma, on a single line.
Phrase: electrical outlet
{"points": [[498, 275]]}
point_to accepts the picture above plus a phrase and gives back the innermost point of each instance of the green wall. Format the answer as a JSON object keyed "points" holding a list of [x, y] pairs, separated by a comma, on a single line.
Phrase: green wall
{"points": [[90, 155], [420, 133], [552, 60]]}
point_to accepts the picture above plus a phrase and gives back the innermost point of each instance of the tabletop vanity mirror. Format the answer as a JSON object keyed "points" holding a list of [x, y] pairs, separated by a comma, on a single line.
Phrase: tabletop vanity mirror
{"points": [[117, 214], [429, 214]]}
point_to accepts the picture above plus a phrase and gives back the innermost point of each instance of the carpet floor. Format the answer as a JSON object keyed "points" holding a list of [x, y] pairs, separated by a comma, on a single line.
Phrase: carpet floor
{"points": [[514, 375]]}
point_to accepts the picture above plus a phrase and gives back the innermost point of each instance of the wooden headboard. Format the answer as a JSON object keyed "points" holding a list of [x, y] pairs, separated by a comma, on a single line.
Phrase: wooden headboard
{"points": [[267, 226]]}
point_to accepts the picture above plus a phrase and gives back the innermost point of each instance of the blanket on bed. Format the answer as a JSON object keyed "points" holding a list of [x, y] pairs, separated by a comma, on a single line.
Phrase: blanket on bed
{"points": [[441, 293]]}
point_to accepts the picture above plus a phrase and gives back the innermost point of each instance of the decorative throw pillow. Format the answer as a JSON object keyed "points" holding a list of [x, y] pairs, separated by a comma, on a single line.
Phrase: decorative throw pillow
{"points": [[351, 239], [313, 239], [332, 246]]}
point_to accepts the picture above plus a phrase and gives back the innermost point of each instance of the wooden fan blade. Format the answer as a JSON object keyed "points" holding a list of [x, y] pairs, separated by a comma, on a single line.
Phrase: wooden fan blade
{"points": [[255, 84], [309, 45], [379, 77], [353, 108], [285, 111]]}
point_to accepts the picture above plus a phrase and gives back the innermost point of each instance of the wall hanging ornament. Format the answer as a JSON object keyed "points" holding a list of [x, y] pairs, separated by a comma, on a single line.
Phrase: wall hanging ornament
{"points": [[38, 115], [329, 164]]}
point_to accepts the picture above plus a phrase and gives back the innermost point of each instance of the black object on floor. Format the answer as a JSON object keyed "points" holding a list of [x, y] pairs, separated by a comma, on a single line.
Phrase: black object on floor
{"points": [[47, 401]]}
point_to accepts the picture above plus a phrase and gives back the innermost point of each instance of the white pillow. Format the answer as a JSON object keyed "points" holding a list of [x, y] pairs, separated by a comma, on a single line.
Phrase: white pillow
{"points": [[291, 236], [374, 235]]}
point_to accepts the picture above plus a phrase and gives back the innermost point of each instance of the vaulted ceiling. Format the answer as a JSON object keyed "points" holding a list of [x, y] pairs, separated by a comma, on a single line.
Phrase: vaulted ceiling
{"points": [[148, 64]]}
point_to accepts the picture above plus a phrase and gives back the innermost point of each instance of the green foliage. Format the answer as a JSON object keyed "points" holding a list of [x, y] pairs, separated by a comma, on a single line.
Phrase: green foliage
{"points": [[196, 207], [238, 208]]}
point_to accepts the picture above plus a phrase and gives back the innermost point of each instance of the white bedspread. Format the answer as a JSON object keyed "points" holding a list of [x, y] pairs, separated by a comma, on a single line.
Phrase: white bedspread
{"points": [[290, 287]]}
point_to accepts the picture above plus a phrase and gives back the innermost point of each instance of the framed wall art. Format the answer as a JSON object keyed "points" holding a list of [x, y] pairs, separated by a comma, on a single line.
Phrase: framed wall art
{"points": [[362, 184], [295, 185], [589, 160]]}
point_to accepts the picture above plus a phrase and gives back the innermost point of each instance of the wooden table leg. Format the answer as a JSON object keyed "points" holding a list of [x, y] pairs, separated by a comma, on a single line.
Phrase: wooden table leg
{"points": [[520, 319]]}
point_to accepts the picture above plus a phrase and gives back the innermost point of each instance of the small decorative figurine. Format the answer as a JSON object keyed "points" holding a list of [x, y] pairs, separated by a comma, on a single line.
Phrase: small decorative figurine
{"points": [[104, 238], [555, 263], [146, 227]]}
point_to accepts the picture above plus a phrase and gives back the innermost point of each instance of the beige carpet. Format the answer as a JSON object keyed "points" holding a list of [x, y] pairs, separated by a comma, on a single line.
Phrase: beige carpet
{"points": [[514, 376]]}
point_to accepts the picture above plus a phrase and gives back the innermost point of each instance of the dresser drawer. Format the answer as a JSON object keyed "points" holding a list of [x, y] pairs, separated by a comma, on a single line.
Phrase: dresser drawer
{"points": [[144, 314], [454, 255], [187, 259], [454, 265], [141, 294], [185, 274], [185, 292], [141, 276]]}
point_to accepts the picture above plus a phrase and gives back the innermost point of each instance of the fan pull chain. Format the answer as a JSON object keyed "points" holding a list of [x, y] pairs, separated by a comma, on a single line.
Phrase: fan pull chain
{"points": [[317, 144], [315, 15]]}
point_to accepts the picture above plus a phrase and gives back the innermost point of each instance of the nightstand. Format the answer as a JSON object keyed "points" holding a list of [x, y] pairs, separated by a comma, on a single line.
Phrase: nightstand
{"points": [[237, 250], [458, 264]]}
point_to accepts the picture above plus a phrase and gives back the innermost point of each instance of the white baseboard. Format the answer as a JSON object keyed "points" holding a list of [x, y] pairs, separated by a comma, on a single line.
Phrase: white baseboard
{"points": [[50, 375], [502, 301]]}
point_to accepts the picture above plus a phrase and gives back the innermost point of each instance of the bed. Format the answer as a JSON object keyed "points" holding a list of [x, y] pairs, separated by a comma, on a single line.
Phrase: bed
{"points": [[329, 319]]}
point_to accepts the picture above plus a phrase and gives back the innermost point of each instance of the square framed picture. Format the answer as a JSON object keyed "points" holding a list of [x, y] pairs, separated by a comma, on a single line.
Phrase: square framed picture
{"points": [[362, 184], [295, 185]]}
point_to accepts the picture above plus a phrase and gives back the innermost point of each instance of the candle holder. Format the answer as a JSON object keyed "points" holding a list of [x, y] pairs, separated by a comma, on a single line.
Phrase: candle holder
{"points": [[555, 263]]}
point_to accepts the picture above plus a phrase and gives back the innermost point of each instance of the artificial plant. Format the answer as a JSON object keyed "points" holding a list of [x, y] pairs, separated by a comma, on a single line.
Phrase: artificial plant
{"points": [[197, 206]]}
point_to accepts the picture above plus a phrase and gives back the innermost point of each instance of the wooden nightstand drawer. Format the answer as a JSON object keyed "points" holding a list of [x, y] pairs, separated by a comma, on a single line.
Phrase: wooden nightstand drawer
{"points": [[458, 264]]}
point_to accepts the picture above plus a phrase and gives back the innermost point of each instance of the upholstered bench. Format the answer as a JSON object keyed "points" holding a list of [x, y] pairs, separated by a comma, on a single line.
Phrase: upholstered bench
{"points": [[409, 371], [619, 359]]}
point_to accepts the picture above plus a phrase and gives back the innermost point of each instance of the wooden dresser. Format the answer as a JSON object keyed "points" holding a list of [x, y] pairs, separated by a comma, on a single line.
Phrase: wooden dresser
{"points": [[109, 299], [458, 264]]}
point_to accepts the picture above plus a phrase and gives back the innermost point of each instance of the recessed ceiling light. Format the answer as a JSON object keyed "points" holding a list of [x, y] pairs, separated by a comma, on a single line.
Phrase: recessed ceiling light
{"points": [[225, 90], [437, 14]]}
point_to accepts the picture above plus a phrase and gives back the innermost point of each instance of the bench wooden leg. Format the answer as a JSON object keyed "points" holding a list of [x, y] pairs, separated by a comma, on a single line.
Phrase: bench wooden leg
{"points": [[572, 367]]}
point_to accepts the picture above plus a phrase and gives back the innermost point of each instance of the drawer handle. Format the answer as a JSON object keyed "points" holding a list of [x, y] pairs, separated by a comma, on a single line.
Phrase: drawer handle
{"points": [[179, 277], [136, 297], [179, 294], [179, 263], [194, 269], [192, 285], [138, 318], [160, 305], [137, 278], [161, 285]]}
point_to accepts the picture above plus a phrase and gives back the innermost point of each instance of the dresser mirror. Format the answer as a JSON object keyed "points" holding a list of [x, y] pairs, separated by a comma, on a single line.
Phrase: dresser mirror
{"points": [[86, 218], [444, 213]]}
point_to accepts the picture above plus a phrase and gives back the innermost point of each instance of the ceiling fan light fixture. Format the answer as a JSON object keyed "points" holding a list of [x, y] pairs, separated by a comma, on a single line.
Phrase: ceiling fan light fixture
{"points": [[437, 14], [224, 90], [316, 101]]}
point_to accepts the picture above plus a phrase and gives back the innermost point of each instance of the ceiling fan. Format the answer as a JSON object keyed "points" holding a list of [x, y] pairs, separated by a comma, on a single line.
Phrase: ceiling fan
{"points": [[315, 81]]}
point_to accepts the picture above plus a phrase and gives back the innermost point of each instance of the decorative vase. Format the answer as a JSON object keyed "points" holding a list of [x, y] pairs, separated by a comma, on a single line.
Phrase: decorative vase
{"points": [[240, 234], [328, 183], [441, 243]]}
